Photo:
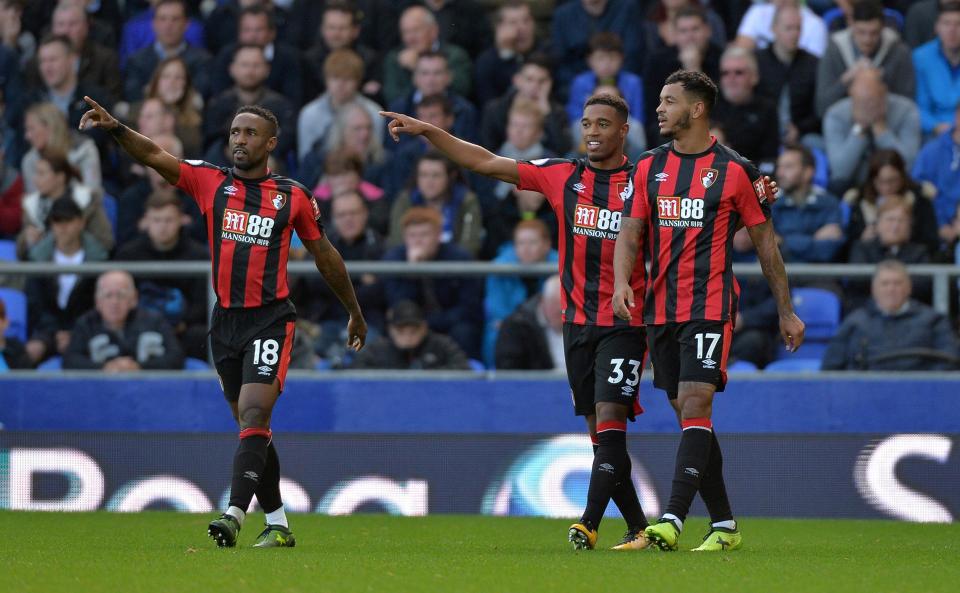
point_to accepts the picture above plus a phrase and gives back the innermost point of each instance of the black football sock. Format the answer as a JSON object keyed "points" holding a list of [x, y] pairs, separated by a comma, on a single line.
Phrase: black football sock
{"points": [[693, 456], [609, 464], [248, 465], [625, 497], [713, 490], [268, 492]]}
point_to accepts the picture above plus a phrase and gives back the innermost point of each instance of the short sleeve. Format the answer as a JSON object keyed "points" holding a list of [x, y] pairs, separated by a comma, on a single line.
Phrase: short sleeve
{"points": [[306, 217], [753, 196], [546, 176], [638, 204], [200, 181]]}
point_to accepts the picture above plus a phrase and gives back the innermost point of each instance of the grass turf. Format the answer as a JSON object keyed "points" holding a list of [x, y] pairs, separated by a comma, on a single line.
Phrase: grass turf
{"points": [[169, 552]]}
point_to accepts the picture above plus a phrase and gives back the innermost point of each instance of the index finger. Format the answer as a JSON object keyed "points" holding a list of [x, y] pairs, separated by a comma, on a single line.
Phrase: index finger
{"points": [[390, 114], [93, 103]]}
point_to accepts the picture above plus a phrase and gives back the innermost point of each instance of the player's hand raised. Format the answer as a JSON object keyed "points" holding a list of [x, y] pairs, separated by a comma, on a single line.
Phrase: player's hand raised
{"points": [[97, 117], [623, 301], [404, 124], [774, 188], [356, 333], [791, 330]]}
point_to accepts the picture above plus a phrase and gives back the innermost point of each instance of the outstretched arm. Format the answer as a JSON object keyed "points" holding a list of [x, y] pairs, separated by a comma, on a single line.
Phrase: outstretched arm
{"points": [[144, 150], [334, 272], [476, 158], [765, 242], [624, 260]]}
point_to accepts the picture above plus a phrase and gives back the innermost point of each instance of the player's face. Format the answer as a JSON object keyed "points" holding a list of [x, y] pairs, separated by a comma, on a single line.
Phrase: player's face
{"points": [[603, 131], [251, 141], [674, 111]]}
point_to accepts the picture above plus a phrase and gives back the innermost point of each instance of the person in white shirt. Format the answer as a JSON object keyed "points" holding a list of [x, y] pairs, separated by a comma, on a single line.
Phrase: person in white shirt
{"points": [[756, 27]]}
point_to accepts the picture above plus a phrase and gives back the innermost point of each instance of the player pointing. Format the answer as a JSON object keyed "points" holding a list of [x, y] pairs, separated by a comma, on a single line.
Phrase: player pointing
{"points": [[250, 214], [690, 197]]}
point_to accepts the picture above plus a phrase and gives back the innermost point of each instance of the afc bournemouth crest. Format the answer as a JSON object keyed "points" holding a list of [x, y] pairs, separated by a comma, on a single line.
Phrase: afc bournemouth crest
{"points": [[278, 199], [708, 177]]}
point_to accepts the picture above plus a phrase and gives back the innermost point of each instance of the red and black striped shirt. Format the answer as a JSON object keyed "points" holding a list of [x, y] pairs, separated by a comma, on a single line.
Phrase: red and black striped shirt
{"points": [[249, 223], [588, 203], [693, 204]]}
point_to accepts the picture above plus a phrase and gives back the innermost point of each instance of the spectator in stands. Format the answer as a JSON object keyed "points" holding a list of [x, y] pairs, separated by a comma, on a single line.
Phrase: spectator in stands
{"points": [[169, 26], [756, 28], [54, 177], [56, 301], [893, 332], [461, 22], [574, 23], [868, 120], [58, 62], [658, 31], [342, 73], [524, 140], [755, 335], [891, 237], [355, 131], [605, 59], [118, 335], [249, 71], [155, 118], [171, 84], [749, 120], [377, 20], [182, 301], [532, 82], [788, 76], [514, 40], [518, 206], [11, 198], [452, 304], [935, 63], [411, 344], [343, 172], [693, 50], [939, 164], [13, 355], [45, 128], [530, 246], [222, 23], [807, 220], [866, 45], [432, 76], [434, 109], [439, 188], [350, 233], [13, 36], [887, 178], [160, 29], [339, 30], [919, 22], [420, 33], [257, 25], [98, 66], [531, 338]]}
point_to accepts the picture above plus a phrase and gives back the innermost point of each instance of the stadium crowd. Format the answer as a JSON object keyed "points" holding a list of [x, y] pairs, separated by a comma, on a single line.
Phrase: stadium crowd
{"points": [[853, 107]]}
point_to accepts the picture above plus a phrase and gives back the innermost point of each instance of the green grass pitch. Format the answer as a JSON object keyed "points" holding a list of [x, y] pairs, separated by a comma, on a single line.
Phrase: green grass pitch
{"points": [[170, 553]]}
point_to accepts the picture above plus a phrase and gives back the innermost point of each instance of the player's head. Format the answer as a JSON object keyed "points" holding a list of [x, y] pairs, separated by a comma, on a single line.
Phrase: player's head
{"points": [[116, 296], [253, 136], [686, 100], [603, 126]]}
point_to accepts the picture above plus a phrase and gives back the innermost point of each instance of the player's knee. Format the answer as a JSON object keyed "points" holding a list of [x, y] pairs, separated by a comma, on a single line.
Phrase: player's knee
{"points": [[254, 417], [611, 412]]}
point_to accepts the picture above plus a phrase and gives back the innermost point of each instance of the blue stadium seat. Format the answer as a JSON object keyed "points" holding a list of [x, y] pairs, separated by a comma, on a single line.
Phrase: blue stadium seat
{"points": [[16, 304], [8, 250], [742, 366], [788, 365], [323, 365], [52, 364], [195, 364], [820, 311], [477, 366], [110, 208]]}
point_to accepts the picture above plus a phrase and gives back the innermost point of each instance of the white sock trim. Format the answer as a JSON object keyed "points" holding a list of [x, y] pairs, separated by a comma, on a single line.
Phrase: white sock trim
{"points": [[237, 514], [674, 519], [278, 517], [731, 524]]}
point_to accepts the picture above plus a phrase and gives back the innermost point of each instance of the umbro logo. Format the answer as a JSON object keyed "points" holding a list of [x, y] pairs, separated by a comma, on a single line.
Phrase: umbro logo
{"points": [[627, 390], [251, 475], [661, 176], [709, 363], [230, 190], [606, 467], [579, 187], [265, 370], [691, 471]]}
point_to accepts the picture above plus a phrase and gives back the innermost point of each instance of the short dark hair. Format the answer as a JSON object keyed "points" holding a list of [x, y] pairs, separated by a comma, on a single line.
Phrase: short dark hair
{"points": [[181, 3], [610, 101], [950, 6], [242, 46], [506, 5], [540, 60], [160, 200], [806, 156], [438, 157], [261, 112], [344, 6], [867, 10], [438, 100], [697, 84], [692, 10], [606, 41], [434, 53], [50, 38], [259, 10]]}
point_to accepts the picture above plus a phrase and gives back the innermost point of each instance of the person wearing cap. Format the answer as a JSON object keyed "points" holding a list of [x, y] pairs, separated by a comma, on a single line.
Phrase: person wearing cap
{"points": [[56, 301], [411, 345], [12, 353]]}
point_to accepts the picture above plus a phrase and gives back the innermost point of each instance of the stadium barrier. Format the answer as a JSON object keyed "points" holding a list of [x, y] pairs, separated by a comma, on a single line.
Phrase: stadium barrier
{"points": [[838, 446]]}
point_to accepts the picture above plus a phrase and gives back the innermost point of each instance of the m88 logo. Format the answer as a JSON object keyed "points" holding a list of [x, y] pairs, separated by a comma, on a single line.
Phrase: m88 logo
{"points": [[244, 223], [593, 217]]}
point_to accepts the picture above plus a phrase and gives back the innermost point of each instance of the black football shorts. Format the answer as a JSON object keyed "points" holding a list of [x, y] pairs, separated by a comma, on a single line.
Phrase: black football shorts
{"points": [[604, 364], [690, 351]]}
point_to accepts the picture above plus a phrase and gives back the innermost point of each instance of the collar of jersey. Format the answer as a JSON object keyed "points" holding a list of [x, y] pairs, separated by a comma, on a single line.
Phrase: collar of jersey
{"points": [[623, 166], [250, 179], [683, 155]]}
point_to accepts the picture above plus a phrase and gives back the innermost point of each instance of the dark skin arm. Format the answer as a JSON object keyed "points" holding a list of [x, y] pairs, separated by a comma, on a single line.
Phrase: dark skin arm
{"points": [[143, 150], [624, 261], [473, 157], [765, 242], [330, 265]]}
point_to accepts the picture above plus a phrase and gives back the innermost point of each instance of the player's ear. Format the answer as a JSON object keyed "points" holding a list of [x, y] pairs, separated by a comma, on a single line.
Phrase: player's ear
{"points": [[699, 109], [271, 143], [624, 130]]}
